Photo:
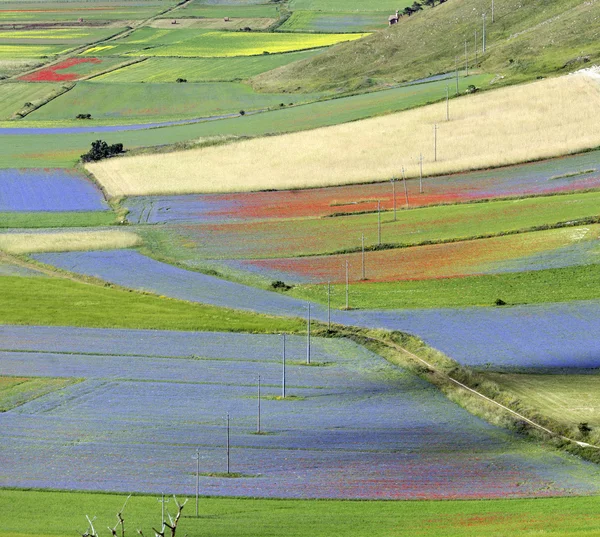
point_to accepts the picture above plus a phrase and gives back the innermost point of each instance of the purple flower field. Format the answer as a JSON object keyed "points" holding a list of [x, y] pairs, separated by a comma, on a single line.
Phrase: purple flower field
{"points": [[48, 190], [536, 336], [356, 427]]}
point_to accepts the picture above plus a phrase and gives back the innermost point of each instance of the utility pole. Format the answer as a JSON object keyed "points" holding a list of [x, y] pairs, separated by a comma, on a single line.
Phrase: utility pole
{"points": [[483, 47], [363, 256], [447, 104], [456, 68], [393, 179], [329, 306], [163, 501], [405, 187], [258, 418], [347, 284], [228, 442], [435, 128], [308, 337], [283, 378], [197, 457], [379, 222], [420, 173]]}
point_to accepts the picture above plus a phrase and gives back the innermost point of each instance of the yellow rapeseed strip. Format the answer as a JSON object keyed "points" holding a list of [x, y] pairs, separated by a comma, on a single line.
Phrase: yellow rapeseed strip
{"points": [[510, 125], [26, 243]]}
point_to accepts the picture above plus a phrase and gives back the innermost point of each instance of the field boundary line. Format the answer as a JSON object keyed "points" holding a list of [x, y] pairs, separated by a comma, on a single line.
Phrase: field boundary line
{"points": [[482, 396]]}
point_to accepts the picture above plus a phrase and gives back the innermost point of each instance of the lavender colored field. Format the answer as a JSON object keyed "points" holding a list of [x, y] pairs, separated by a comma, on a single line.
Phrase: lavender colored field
{"points": [[358, 427], [541, 336], [572, 173], [48, 190]]}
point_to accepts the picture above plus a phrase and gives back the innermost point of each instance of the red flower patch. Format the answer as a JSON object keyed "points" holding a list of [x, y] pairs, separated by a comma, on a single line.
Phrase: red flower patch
{"points": [[51, 74]]}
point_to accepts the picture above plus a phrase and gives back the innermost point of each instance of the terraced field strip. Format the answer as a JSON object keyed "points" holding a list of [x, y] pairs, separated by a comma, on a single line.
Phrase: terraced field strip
{"points": [[56, 36], [531, 251], [347, 5], [318, 21], [573, 173], [517, 129], [231, 10], [14, 96], [201, 69], [106, 100], [12, 52], [355, 427], [62, 219], [49, 150], [310, 236], [66, 241]]}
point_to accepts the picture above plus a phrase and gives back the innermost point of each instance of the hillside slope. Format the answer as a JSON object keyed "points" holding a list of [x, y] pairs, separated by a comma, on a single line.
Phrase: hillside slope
{"points": [[528, 38]]}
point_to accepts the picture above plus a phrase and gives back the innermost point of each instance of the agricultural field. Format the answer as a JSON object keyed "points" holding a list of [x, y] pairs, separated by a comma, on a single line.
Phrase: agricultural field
{"points": [[31, 190], [517, 128], [15, 95], [376, 420], [201, 69], [71, 69], [143, 295], [126, 10], [572, 173], [214, 44], [166, 100], [317, 21]]}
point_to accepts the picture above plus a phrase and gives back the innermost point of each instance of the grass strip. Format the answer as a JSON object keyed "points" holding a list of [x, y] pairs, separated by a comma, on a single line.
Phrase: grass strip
{"points": [[57, 219], [62, 302], [16, 391], [533, 287]]}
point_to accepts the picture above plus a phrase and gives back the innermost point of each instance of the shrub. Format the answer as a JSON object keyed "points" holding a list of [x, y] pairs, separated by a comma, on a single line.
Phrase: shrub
{"points": [[584, 428], [499, 302], [242, 112], [181, 80], [83, 116], [100, 150], [279, 285]]}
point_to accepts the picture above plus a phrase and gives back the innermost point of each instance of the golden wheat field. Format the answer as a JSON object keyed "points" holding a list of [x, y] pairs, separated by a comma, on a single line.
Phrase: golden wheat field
{"points": [[515, 124], [27, 243]]}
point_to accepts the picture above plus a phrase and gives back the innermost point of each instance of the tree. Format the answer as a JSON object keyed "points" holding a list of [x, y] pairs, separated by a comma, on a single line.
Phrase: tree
{"points": [[100, 150]]}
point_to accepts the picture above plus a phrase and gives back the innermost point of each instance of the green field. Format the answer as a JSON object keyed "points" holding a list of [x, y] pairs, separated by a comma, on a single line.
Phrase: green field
{"points": [[9, 67], [213, 44], [56, 36], [15, 391], [348, 5], [540, 286], [567, 398], [62, 151], [57, 219], [202, 69], [288, 238], [60, 514], [62, 302], [73, 11], [169, 100], [12, 52], [316, 21], [214, 10], [13, 96]]}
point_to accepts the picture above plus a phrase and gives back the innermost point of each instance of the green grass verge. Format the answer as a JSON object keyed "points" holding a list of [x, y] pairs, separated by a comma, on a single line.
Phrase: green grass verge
{"points": [[62, 302], [16, 391], [167, 101], [61, 514], [58, 219], [202, 69], [317, 21], [553, 285], [49, 150]]}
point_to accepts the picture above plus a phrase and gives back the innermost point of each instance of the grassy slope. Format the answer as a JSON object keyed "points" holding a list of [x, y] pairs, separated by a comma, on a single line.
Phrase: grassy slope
{"points": [[59, 514], [14, 96], [552, 285], [428, 43], [62, 302]]}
